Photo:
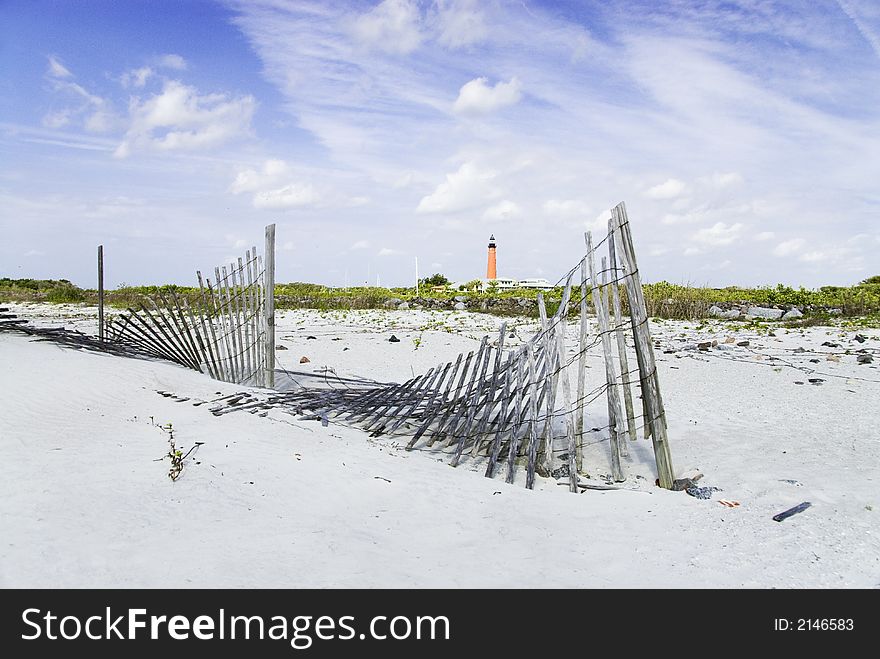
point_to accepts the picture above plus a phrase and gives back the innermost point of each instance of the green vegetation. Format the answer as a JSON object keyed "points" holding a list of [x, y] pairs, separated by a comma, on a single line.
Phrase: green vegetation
{"points": [[664, 300], [434, 280]]}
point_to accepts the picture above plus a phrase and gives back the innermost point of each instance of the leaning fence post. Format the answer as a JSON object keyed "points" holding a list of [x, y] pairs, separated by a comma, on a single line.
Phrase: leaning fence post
{"points": [[270, 306], [101, 293]]}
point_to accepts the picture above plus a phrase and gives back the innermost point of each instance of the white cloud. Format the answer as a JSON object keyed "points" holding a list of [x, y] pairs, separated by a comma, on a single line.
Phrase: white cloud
{"points": [[789, 247], [179, 118], [460, 23], [392, 26], [718, 234], [669, 189], [465, 188], [293, 195], [478, 97], [814, 256], [250, 180], [57, 119], [503, 210], [765, 236], [387, 251], [567, 208], [57, 69], [172, 61], [723, 180], [136, 78], [360, 244]]}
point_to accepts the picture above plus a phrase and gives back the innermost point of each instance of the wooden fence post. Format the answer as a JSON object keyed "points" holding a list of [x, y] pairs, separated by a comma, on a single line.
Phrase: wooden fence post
{"points": [[101, 293], [270, 306]]}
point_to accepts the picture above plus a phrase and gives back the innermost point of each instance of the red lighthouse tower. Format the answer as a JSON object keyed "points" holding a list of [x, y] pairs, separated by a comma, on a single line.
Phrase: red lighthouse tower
{"points": [[491, 272]]}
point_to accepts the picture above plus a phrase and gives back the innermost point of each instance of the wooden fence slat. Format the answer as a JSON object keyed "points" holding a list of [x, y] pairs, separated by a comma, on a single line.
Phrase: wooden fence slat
{"points": [[613, 421]]}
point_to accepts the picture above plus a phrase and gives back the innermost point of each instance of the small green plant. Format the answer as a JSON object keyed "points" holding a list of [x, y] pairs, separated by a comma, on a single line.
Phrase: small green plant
{"points": [[174, 454]]}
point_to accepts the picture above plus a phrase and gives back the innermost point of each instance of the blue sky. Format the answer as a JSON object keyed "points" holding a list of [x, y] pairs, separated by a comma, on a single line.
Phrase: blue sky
{"points": [[744, 137]]}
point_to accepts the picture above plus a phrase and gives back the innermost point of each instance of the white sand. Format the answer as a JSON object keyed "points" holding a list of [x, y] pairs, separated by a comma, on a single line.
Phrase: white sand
{"points": [[278, 502]]}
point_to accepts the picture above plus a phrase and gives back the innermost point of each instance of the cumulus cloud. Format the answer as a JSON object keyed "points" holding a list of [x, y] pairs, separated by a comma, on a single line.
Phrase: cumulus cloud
{"points": [[719, 234], [789, 247], [136, 78], [765, 236], [172, 61], [387, 251], [669, 189], [273, 188], [392, 27], [478, 97], [179, 118], [289, 196], [251, 180], [465, 188], [460, 23], [567, 208], [503, 210], [723, 180], [360, 244]]}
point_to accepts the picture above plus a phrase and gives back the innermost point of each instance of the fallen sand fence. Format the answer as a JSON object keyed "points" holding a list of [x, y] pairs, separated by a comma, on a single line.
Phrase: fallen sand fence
{"points": [[494, 403]]}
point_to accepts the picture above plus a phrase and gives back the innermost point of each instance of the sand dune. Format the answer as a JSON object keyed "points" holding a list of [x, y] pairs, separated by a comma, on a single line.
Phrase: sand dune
{"points": [[273, 501]]}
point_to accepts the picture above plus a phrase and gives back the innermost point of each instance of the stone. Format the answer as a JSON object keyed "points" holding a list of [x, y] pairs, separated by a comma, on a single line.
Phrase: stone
{"points": [[715, 310], [864, 359], [860, 338], [816, 381], [304, 360], [460, 306], [392, 303], [743, 344], [730, 339], [403, 305], [280, 348], [311, 338], [704, 345], [460, 298], [799, 350], [794, 312], [393, 339], [765, 312], [733, 313], [832, 358], [828, 344]]}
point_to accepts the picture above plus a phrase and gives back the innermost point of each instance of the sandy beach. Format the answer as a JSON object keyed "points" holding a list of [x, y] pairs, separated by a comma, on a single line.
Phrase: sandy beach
{"points": [[275, 501]]}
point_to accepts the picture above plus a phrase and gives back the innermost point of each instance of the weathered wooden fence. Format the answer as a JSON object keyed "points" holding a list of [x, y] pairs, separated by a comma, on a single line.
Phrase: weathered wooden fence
{"points": [[501, 404], [496, 403], [228, 332]]}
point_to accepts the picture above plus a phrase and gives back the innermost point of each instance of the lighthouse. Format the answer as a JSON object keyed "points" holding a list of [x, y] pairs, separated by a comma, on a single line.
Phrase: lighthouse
{"points": [[491, 272]]}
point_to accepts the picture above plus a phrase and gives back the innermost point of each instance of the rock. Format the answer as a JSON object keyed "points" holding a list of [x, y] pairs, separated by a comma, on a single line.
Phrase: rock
{"points": [[799, 350], [460, 298], [733, 313], [403, 305], [304, 360], [460, 306], [392, 303], [794, 312], [828, 344], [832, 358], [344, 349], [393, 339], [743, 344], [860, 338], [816, 381], [704, 345], [730, 339], [814, 361], [280, 348], [701, 492], [715, 311], [311, 338], [864, 359], [765, 312]]}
